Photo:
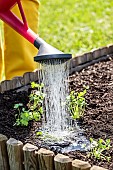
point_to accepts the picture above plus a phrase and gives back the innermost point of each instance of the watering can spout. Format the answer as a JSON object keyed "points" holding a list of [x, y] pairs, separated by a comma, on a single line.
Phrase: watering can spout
{"points": [[46, 51]]}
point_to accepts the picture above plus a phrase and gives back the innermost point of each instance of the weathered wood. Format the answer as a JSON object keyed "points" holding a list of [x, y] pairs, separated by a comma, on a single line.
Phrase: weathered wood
{"points": [[15, 154], [4, 163], [62, 162], [96, 53], [3, 86], [17, 82], [36, 72], [72, 63], [31, 75], [81, 59], [26, 78], [104, 51], [8, 85], [80, 67], [38, 76], [80, 165], [110, 49], [30, 158], [97, 168], [89, 56], [45, 159]]}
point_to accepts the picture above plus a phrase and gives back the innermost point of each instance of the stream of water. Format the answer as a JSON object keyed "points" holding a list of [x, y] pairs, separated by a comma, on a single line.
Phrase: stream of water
{"points": [[55, 79], [57, 126]]}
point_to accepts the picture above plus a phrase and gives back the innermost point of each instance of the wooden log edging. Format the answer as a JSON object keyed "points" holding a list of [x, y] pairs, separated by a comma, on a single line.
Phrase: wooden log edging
{"points": [[82, 165], [30, 158], [80, 62], [15, 156], [76, 64], [4, 161], [62, 162], [45, 159]]}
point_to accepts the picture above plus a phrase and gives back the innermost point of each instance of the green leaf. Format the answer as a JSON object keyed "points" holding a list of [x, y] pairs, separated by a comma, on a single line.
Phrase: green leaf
{"points": [[97, 148], [34, 85], [24, 122], [16, 106], [39, 133]]}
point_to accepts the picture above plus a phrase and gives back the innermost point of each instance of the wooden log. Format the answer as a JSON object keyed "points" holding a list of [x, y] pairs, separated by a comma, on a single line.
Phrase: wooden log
{"points": [[97, 168], [30, 158], [31, 75], [62, 162], [36, 72], [80, 165], [26, 78], [4, 163], [45, 159], [96, 53], [104, 51], [8, 85], [15, 154], [110, 49], [38, 75], [3, 86], [71, 63], [17, 81], [89, 56], [81, 59]]}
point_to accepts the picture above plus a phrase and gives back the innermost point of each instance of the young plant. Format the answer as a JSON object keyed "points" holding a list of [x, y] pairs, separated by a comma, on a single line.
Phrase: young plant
{"points": [[34, 106], [23, 116], [76, 103], [98, 149]]}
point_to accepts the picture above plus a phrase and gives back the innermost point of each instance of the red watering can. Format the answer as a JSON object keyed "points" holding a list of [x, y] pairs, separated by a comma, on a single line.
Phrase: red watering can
{"points": [[46, 51]]}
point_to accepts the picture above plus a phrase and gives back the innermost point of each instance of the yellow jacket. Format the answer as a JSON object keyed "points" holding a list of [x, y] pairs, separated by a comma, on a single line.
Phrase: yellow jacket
{"points": [[18, 53]]}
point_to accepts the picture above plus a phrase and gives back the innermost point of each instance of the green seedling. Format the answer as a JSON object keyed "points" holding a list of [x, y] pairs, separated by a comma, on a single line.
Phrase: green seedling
{"points": [[99, 147], [39, 133], [23, 117], [34, 107], [76, 103]]}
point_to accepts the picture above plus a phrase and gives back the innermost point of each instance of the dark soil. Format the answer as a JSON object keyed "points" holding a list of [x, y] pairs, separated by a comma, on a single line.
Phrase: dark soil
{"points": [[98, 117]]}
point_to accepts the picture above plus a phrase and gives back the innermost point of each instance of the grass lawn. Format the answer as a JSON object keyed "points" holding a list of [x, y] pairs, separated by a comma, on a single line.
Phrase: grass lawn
{"points": [[76, 26]]}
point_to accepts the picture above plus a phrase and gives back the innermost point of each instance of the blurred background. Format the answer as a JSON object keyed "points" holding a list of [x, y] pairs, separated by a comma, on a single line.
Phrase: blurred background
{"points": [[76, 26]]}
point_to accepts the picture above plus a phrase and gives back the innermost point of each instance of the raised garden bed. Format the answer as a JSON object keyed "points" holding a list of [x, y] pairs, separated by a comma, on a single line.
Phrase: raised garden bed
{"points": [[98, 118]]}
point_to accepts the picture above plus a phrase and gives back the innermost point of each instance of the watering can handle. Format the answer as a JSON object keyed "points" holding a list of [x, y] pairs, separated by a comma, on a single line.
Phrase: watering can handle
{"points": [[22, 13], [20, 26]]}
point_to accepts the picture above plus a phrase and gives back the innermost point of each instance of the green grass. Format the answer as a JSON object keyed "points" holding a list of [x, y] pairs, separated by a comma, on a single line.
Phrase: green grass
{"points": [[76, 26]]}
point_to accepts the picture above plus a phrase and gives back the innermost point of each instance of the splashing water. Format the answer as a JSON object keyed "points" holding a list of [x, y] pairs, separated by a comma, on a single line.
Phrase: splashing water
{"points": [[57, 125], [54, 78]]}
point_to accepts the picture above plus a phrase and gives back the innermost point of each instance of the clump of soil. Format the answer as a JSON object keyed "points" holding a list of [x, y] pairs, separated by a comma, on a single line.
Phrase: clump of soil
{"points": [[98, 117]]}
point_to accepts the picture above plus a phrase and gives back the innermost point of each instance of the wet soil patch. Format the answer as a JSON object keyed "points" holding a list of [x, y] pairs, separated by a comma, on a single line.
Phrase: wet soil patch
{"points": [[98, 117]]}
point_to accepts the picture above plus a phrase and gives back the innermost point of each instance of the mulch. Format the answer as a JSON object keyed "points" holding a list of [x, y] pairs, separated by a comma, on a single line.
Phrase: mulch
{"points": [[98, 117]]}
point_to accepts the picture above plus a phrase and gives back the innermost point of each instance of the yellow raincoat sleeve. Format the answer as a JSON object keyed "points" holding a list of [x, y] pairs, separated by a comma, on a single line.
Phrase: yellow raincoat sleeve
{"points": [[1, 51], [0, 60], [18, 52]]}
